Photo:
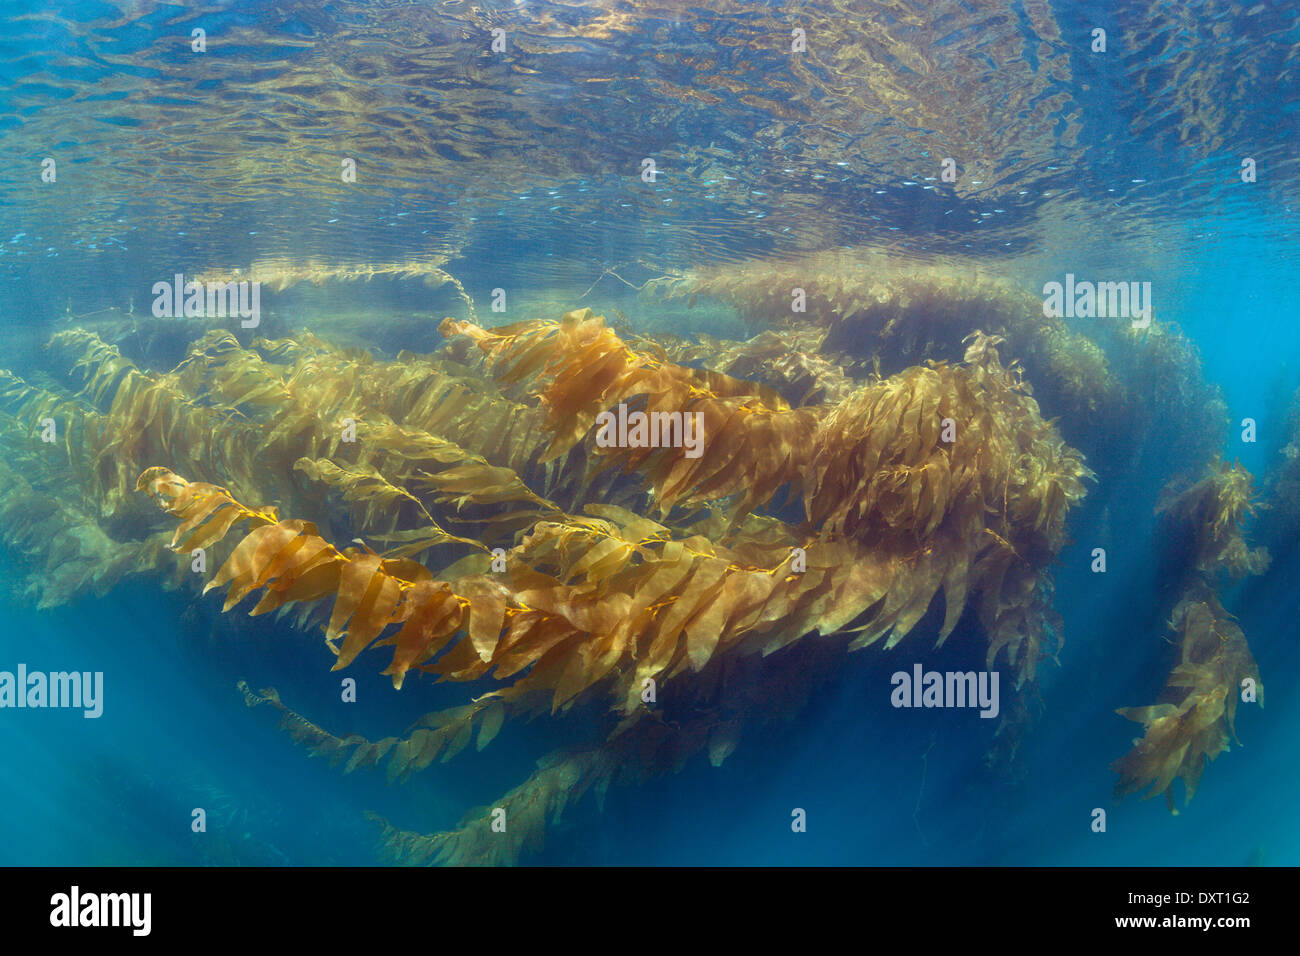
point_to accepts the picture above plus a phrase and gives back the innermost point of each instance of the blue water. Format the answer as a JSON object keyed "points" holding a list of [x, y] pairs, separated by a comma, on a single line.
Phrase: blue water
{"points": [[521, 172]]}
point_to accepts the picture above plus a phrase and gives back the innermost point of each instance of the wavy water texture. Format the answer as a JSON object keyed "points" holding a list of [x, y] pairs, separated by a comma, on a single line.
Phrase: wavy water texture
{"points": [[799, 150]]}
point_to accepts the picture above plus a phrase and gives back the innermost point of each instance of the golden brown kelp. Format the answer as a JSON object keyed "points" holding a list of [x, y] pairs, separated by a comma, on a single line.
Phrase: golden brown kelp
{"points": [[1193, 722], [1117, 390], [1014, 605], [876, 467], [359, 751], [448, 414], [874, 307], [974, 501], [126, 416], [604, 604], [521, 816], [64, 551], [940, 479], [790, 361], [730, 697], [58, 541], [913, 302], [442, 734], [588, 370], [250, 418], [226, 411], [268, 425], [1214, 510], [571, 628]]}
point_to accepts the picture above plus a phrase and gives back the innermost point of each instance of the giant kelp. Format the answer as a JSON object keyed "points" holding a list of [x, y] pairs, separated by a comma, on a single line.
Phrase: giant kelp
{"points": [[1194, 721], [279, 274], [943, 499], [267, 421], [873, 467], [1118, 391], [492, 537], [791, 361], [61, 546], [941, 479], [1213, 512]]}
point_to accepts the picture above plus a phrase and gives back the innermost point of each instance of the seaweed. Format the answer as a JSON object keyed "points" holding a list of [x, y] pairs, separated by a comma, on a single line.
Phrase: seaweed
{"points": [[493, 537], [1215, 509], [280, 274], [1194, 721], [1118, 391]]}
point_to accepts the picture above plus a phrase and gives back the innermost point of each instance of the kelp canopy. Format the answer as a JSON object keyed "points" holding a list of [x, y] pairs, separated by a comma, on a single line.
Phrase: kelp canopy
{"points": [[460, 511]]}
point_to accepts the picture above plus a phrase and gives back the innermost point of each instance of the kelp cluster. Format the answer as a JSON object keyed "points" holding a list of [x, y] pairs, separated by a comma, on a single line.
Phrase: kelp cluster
{"points": [[863, 469], [861, 296], [874, 469], [1117, 390], [1212, 513], [265, 420], [686, 597], [1194, 720], [791, 362], [59, 543]]}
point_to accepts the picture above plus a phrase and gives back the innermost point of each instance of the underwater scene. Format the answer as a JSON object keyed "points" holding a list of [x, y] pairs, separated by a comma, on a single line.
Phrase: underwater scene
{"points": [[596, 432]]}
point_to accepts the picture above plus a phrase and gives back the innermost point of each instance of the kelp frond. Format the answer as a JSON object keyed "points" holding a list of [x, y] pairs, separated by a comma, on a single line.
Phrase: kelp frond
{"points": [[1119, 391], [441, 735], [876, 466], [792, 362], [1194, 720], [1216, 508], [279, 274], [1194, 723]]}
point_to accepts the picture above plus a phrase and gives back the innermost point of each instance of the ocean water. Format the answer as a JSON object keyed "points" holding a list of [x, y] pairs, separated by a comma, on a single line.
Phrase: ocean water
{"points": [[375, 166]]}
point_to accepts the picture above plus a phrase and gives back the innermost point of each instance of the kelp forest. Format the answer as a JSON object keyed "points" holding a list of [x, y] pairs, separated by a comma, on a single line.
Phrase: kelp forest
{"points": [[901, 457]]}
